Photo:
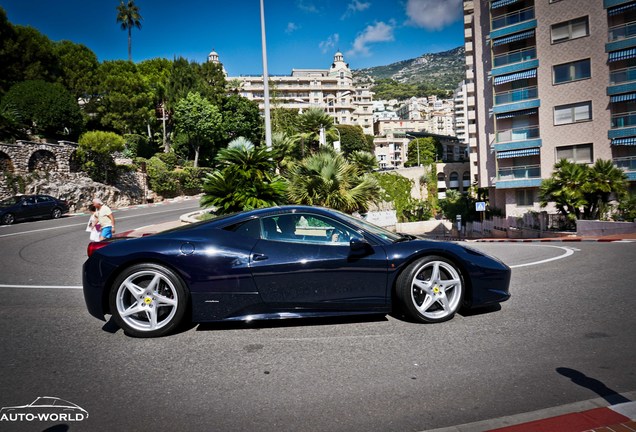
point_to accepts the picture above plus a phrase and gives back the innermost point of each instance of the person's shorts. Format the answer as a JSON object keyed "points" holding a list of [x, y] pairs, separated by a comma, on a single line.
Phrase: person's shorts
{"points": [[107, 232]]}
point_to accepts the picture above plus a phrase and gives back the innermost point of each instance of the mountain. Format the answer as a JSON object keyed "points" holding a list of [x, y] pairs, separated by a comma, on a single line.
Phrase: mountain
{"points": [[443, 70]]}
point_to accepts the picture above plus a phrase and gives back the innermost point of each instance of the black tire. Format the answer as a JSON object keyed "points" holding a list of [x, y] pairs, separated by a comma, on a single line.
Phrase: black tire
{"points": [[8, 219], [148, 300], [431, 289], [56, 213]]}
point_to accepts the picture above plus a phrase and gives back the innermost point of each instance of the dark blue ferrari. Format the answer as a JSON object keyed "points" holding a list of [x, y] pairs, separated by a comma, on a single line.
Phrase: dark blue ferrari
{"points": [[283, 262]]}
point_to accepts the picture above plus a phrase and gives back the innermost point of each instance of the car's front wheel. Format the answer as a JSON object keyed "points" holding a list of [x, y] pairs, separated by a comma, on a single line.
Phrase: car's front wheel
{"points": [[8, 219], [148, 300], [431, 289], [56, 213]]}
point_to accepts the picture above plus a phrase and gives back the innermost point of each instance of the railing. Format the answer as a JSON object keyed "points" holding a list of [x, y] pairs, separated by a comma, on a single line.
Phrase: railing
{"points": [[622, 120], [515, 56], [517, 134], [620, 76], [622, 31], [625, 163], [512, 18], [516, 95], [519, 172]]}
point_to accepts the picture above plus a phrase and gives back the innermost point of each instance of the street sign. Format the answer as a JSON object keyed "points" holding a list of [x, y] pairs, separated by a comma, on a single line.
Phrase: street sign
{"points": [[480, 206]]}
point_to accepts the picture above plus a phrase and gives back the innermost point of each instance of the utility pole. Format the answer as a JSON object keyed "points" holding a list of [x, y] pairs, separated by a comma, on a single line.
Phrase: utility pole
{"points": [[268, 123]]}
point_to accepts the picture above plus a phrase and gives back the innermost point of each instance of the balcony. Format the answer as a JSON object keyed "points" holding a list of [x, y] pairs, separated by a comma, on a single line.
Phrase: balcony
{"points": [[516, 95], [625, 163], [623, 120], [519, 172], [622, 81], [515, 57], [517, 134], [512, 18], [622, 31]]}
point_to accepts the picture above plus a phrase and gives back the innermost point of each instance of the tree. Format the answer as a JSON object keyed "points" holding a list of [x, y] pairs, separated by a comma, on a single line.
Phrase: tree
{"points": [[44, 108], [245, 180], [310, 124], [78, 68], [128, 15], [327, 179], [125, 102], [241, 118], [352, 139], [365, 161], [215, 85], [198, 120], [582, 192], [95, 154], [396, 189], [429, 151]]}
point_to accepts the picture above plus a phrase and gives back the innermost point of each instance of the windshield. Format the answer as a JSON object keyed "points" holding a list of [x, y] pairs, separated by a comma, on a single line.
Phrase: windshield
{"points": [[373, 229]]}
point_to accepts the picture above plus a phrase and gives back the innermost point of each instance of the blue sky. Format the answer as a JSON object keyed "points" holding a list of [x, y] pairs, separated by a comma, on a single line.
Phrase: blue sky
{"points": [[301, 34]]}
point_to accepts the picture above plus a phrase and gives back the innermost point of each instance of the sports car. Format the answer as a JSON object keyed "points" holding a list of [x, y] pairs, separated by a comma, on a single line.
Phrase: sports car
{"points": [[283, 262]]}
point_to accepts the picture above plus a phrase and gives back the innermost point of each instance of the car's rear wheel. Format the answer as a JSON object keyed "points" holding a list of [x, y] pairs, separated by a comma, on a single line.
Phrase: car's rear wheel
{"points": [[148, 300], [56, 213], [8, 219], [431, 289]]}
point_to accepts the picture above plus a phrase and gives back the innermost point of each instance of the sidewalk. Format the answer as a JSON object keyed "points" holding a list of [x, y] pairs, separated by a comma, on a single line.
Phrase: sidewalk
{"points": [[587, 416]]}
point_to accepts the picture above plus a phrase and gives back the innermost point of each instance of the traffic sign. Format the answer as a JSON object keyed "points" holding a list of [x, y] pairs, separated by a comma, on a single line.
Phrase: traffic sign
{"points": [[480, 206]]}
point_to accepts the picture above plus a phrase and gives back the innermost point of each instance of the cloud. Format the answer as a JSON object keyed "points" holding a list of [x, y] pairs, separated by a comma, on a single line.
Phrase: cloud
{"points": [[330, 43], [433, 14], [291, 27], [307, 6], [379, 32], [355, 6]]}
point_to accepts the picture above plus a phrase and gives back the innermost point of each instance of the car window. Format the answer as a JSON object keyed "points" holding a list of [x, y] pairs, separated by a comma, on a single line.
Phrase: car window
{"points": [[251, 228], [42, 198], [30, 200], [305, 228]]}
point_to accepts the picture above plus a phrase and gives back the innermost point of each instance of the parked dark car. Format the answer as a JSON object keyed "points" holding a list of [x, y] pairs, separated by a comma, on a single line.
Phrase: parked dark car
{"points": [[31, 206], [283, 262]]}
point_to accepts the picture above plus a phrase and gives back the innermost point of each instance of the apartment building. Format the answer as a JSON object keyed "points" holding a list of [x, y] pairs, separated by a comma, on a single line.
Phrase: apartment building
{"points": [[547, 80], [332, 90]]}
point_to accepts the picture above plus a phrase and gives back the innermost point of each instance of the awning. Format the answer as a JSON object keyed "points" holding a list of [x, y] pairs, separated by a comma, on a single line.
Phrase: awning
{"points": [[620, 9], [499, 3], [518, 153], [622, 54], [512, 114], [513, 38], [502, 79], [623, 97], [624, 141]]}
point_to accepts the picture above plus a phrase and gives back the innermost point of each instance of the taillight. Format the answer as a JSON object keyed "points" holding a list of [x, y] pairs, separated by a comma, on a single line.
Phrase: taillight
{"points": [[93, 246]]}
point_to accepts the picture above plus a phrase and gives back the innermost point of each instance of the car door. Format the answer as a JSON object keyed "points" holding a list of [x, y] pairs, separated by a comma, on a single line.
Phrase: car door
{"points": [[314, 267], [44, 206], [28, 208]]}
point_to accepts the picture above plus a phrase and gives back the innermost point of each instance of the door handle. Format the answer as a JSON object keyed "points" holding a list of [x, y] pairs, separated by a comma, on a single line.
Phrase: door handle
{"points": [[259, 257]]}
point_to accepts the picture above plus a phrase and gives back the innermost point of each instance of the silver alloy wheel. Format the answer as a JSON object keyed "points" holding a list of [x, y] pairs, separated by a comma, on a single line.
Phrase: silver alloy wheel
{"points": [[8, 219], [147, 300], [57, 213], [436, 290]]}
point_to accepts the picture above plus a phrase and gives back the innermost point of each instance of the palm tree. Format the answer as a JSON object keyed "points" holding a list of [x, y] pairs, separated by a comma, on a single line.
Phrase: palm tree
{"points": [[606, 179], [327, 179], [365, 161], [245, 179], [565, 189], [310, 124], [129, 17]]}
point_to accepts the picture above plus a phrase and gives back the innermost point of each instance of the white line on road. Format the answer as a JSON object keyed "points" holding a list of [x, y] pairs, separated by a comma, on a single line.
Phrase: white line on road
{"points": [[567, 253], [43, 286], [84, 223]]}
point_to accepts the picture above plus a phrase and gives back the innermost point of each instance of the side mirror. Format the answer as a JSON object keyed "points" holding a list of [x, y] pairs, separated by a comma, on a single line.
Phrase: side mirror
{"points": [[360, 246]]}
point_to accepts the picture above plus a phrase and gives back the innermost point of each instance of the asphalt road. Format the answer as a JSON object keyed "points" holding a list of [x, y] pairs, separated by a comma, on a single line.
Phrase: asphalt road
{"points": [[566, 335]]}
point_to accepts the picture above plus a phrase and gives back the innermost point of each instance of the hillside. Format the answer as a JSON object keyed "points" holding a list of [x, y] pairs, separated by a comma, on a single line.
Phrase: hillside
{"points": [[442, 71]]}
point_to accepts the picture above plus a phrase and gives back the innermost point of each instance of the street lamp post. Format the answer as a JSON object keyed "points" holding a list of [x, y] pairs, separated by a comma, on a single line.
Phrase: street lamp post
{"points": [[268, 123]]}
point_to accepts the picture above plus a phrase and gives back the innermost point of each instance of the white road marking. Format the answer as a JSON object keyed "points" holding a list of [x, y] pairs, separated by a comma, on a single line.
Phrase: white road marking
{"points": [[84, 223], [43, 286], [567, 253]]}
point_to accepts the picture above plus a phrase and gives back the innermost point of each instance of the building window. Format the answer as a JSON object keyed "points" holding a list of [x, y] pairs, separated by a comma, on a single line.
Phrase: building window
{"points": [[577, 153], [525, 197], [574, 71], [573, 113], [569, 30]]}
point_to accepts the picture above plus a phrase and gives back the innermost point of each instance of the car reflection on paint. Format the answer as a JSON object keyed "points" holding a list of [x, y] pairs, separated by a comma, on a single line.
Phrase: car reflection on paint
{"points": [[284, 262]]}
